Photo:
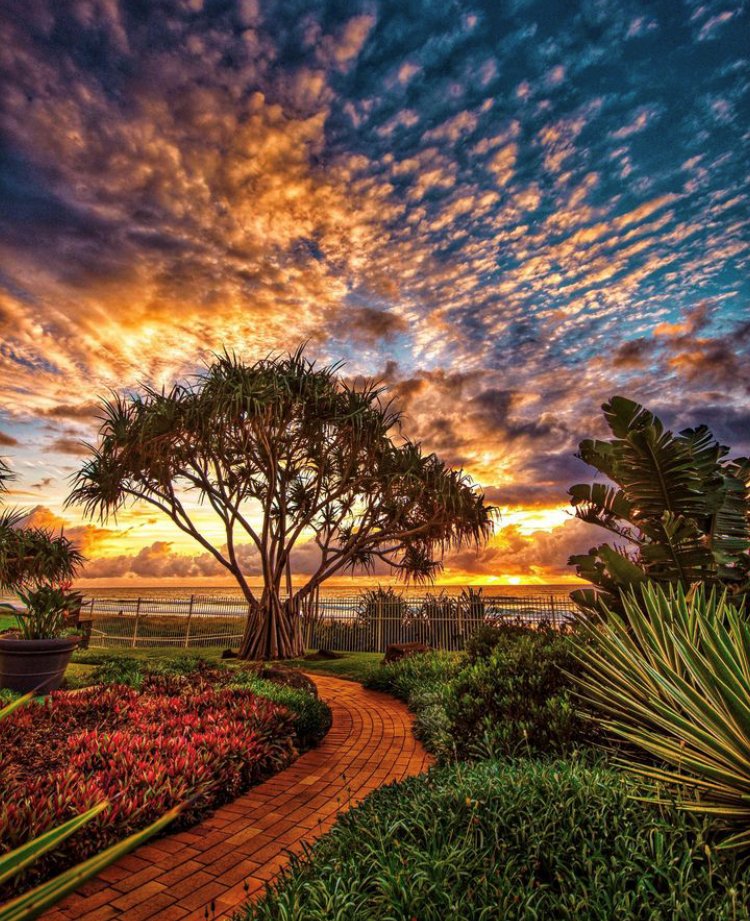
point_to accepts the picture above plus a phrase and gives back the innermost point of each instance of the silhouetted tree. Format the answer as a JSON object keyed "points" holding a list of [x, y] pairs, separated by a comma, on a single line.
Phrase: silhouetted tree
{"points": [[285, 453]]}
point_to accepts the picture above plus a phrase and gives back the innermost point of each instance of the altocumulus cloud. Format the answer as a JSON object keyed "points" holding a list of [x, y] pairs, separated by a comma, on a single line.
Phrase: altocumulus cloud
{"points": [[508, 211]]}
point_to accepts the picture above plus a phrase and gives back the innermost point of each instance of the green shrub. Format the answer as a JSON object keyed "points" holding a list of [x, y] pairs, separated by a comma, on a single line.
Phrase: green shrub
{"points": [[515, 699], [404, 677], [487, 636], [517, 840]]}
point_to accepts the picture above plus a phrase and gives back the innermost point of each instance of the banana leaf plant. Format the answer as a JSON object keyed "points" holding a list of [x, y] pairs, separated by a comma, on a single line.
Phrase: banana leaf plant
{"points": [[679, 509], [671, 677], [31, 904]]}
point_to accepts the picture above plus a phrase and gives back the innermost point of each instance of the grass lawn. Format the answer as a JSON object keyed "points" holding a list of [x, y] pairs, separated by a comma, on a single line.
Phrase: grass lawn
{"points": [[356, 666], [6, 621], [97, 655]]}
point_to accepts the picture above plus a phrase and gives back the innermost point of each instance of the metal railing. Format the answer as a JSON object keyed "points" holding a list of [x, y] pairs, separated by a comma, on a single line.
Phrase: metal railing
{"points": [[359, 623], [147, 622]]}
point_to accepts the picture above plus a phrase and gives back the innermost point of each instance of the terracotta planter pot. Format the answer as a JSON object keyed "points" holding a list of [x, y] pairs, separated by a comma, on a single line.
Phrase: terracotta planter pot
{"points": [[28, 665]]}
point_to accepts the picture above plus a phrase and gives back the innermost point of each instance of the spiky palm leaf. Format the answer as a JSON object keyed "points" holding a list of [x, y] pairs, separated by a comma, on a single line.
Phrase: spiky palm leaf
{"points": [[672, 678]]}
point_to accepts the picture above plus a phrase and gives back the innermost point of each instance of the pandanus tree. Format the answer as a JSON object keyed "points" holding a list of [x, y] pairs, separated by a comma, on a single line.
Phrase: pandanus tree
{"points": [[678, 507], [285, 453]]}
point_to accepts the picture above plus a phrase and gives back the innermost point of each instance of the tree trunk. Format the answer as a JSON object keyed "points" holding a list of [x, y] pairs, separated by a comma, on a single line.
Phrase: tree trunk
{"points": [[274, 630]]}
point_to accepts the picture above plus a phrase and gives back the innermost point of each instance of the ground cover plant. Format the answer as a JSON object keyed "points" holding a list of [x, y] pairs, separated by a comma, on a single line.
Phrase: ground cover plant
{"points": [[288, 688], [15, 862], [516, 840], [178, 738]]}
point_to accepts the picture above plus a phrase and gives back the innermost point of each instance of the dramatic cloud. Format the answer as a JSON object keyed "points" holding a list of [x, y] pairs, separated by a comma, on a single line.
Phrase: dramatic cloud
{"points": [[506, 211]]}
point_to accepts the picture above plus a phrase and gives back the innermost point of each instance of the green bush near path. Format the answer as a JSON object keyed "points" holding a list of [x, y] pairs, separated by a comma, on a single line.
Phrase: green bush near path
{"points": [[514, 698], [516, 840], [312, 716]]}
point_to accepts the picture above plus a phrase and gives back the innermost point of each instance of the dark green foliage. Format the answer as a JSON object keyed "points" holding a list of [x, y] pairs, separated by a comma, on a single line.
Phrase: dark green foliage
{"points": [[513, 699], [680, 507], [487, 636], [312, 717], [517, 699], [518, 841], [403, 677], [118, 671]]}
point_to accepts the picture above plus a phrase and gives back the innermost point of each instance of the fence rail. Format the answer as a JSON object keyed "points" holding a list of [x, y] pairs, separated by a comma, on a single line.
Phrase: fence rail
{"points": [[359, 623]]}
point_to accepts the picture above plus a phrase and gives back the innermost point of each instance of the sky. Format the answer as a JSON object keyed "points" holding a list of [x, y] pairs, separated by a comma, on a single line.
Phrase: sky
{"points": [[507, 211]]}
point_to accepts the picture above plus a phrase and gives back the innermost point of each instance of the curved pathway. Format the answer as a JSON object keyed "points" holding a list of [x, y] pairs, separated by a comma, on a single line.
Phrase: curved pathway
{"points": [[210, 870]]}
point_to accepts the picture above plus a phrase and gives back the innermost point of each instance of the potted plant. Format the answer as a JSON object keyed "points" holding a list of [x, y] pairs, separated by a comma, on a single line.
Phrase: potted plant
{"points": [[38, 566]]}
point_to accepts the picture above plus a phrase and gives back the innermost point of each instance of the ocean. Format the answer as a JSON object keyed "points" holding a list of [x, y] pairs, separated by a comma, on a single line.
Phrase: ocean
{"points": [[339, 590]]}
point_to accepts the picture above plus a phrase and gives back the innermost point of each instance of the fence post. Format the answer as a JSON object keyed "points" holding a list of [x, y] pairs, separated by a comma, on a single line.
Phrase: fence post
{"points": [[137, 619], [310, 601], [379, 624], [552, 611], [460, 622], [189, 618]]}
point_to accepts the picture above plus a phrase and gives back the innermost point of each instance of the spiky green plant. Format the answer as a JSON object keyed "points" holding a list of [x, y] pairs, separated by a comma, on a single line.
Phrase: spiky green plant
{"points": [[31, 904], [37, 565], [672, 677]]}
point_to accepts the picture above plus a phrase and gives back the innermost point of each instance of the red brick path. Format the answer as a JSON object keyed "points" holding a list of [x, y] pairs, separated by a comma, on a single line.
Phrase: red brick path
{"points": [[207, 872]]}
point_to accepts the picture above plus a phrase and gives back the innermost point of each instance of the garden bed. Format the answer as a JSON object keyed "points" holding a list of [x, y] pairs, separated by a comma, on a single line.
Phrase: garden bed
{"points": [[201, 737], [515, 840]]}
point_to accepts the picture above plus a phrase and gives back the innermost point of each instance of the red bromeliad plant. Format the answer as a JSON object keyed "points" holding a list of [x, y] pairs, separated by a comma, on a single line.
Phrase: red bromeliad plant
{"points": [[141, 752]]}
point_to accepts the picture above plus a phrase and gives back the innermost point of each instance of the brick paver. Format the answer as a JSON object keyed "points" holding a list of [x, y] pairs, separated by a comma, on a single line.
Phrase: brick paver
{"points": [[210, 870]]}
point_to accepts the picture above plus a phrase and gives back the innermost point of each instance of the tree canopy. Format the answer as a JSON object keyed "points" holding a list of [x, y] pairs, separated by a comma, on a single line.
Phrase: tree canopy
{"points": [[286, 453]]}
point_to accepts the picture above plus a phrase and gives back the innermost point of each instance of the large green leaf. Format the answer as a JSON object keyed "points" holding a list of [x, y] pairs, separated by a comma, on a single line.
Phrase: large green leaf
{"points": [[674, 499]]}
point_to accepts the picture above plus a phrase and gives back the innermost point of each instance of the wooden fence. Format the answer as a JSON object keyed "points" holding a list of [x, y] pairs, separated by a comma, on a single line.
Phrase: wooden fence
{"points": [[361, 623]]}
